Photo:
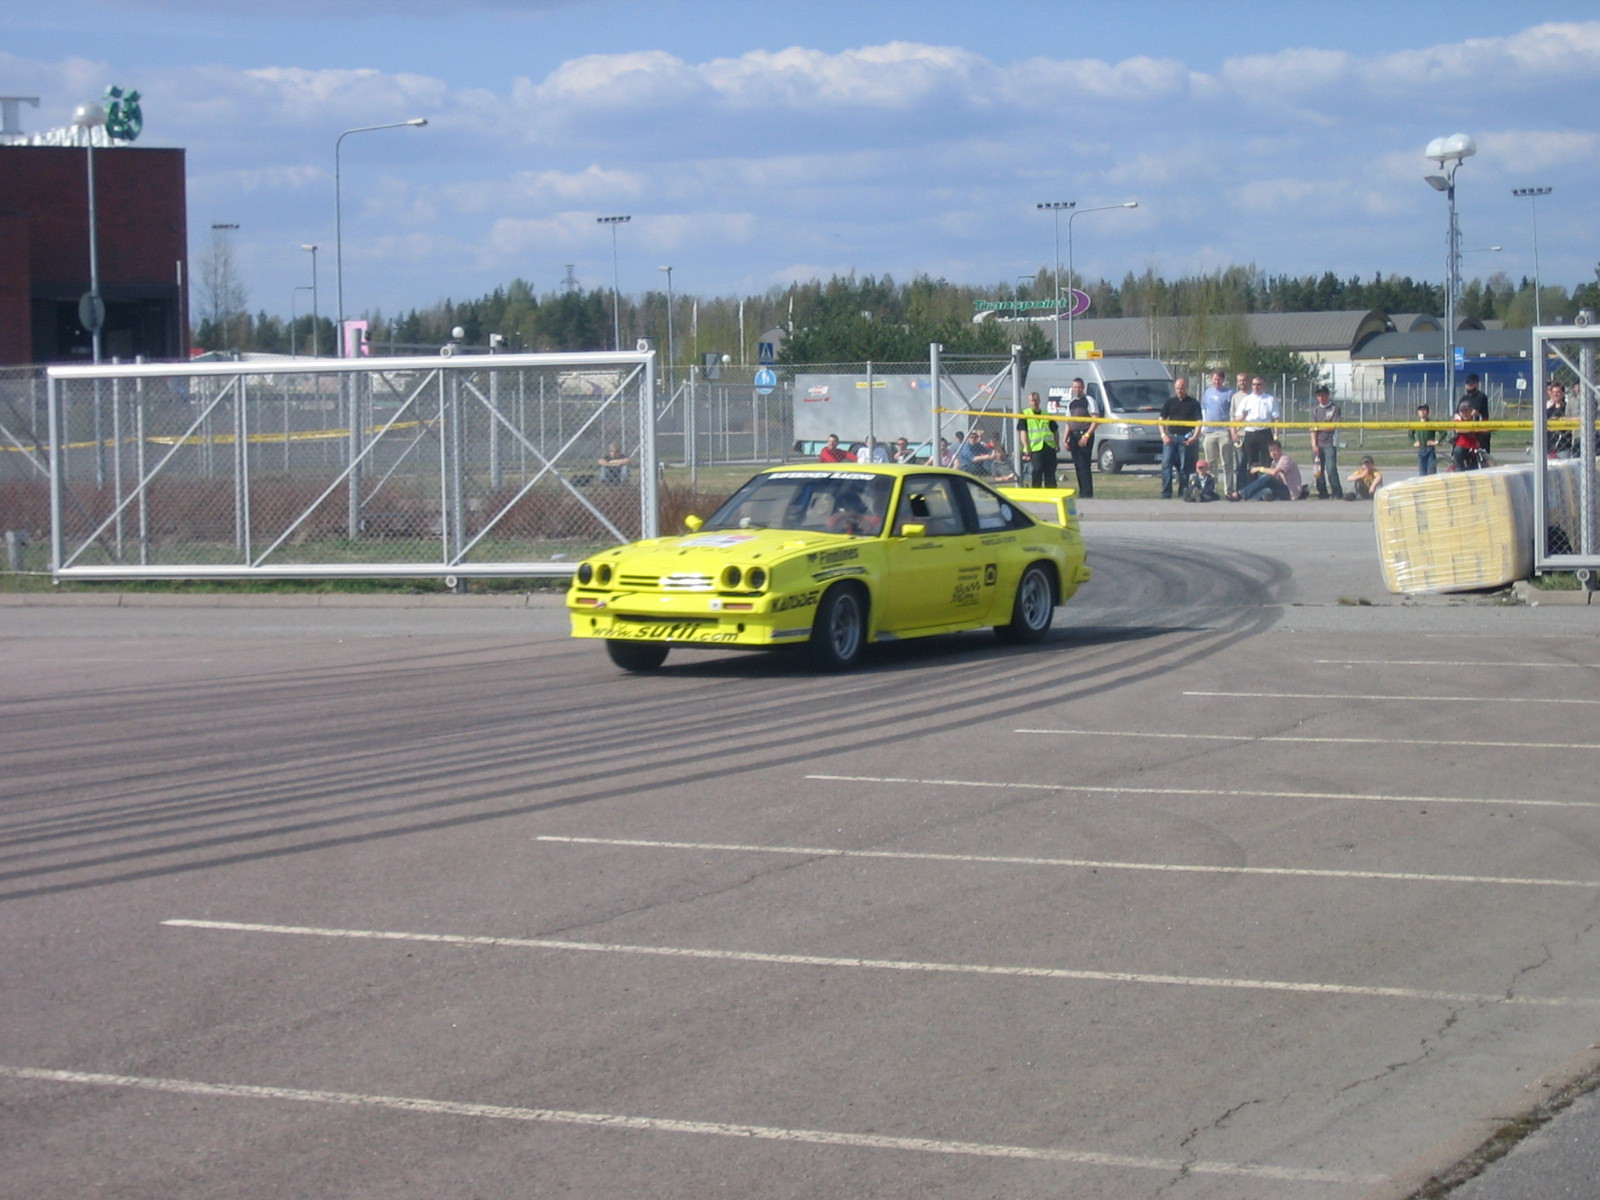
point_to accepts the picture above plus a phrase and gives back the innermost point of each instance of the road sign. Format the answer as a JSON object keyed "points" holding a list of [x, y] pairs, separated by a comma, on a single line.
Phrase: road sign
{"points": [[91, 312], [765, 381], [766, 353]]}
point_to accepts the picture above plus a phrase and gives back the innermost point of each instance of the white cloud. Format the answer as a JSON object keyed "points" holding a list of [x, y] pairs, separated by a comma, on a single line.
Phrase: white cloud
{"points": [[1518, 150], [780, 163]]}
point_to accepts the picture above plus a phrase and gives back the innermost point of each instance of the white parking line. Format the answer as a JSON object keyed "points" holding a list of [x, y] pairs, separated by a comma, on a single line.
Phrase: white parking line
{"points": [[890, 964], [1109, 789], [818, 1137], [1436, 662], [1009, 860], [1409, 699], [1342, 741]]}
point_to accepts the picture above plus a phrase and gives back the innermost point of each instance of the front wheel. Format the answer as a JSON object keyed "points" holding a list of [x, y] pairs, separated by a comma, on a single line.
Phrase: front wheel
{"points": [[636, 656], [839, 632], [1033, 610], [1108, 460]]}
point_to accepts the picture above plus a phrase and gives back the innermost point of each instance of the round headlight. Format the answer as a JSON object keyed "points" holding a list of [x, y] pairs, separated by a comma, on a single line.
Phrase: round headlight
{"points": [[757, 579], [585, 572], [604, 574], [731, 577]]}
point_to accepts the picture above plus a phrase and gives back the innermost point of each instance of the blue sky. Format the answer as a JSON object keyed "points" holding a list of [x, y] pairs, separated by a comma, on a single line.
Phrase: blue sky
{"points": [[755, 144]]}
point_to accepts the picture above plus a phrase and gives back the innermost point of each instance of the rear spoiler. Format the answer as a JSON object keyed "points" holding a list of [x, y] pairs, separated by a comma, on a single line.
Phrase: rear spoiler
{"points": [[1055, 505]]}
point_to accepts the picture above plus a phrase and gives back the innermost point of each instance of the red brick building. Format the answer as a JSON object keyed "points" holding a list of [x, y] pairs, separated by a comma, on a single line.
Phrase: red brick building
{"points": [[142, 232]]}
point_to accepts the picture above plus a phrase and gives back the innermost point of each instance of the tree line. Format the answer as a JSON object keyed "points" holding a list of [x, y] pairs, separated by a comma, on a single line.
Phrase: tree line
{"points": [[859, 318]]}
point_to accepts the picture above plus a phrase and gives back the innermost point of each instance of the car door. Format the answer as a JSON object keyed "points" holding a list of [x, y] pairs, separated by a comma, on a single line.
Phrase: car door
{"points": [[1001, 528], [937, 578]]}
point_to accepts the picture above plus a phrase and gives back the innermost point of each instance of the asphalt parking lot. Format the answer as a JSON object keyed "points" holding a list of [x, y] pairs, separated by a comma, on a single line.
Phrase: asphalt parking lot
{"points": [[1253, 881]]}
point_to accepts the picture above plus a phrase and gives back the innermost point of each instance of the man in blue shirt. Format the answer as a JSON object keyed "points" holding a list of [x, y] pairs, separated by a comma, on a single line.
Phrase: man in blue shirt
{"points": [[1219, 444]]}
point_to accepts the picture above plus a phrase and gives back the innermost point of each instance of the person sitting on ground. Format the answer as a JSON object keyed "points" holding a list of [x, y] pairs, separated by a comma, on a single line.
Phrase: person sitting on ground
{"points": [[833, 452], [964, 456], [1202, 485], [614, 465], [1365, 480], [1279, 480], [985, 456]]}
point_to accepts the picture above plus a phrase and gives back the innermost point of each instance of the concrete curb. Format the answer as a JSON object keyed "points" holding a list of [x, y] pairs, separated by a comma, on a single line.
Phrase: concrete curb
{"points": [[1223, 510], [1524, 591]]}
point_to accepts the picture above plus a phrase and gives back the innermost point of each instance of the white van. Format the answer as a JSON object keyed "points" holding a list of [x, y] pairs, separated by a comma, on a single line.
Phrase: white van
{"points": [[1127, 387]]}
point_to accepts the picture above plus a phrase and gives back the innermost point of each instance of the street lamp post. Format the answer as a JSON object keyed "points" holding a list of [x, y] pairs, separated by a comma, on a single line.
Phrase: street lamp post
{"points": [[86, 118], [316, 319], [1056, 207], [338, 210], [1533, 194], [351, 403], [1072, 312], [1452, 150], [616, 278], [671, 352]]}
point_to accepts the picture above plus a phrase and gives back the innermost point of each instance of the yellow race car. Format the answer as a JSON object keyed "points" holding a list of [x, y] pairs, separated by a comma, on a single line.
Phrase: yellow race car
{"points": [[830, 557]]}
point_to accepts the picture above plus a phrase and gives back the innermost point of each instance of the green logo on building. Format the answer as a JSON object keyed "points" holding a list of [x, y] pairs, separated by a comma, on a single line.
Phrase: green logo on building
{"points": [[124, 118]]}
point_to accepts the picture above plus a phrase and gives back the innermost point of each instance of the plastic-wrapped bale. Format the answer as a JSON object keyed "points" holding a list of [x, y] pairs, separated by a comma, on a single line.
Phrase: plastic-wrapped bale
{"points": [[1456, 532], [1563, 498]]}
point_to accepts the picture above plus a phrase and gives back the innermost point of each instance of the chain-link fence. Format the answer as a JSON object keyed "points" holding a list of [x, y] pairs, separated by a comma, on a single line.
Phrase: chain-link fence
{"points": [[482, 465], [1566, 484]]}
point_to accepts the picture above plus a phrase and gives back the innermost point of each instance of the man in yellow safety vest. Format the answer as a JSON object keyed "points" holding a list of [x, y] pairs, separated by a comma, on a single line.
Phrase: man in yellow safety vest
{"points": [[1039, 443]]}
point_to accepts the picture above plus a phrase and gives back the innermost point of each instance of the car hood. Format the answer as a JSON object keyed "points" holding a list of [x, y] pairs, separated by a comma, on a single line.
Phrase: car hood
{"points": [[708, 548]]}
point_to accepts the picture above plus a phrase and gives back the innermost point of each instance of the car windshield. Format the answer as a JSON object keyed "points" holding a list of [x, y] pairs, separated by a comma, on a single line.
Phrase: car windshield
{"points": [[1138, 395], [847, 502]]}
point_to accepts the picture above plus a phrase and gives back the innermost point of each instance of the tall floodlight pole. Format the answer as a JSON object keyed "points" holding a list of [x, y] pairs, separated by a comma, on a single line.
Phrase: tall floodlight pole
{"points": [[86, 118], [1533, 194], [671, 353], [1072, 312], [616, 278], [338, 210], [1056, 207], [316, 319], [1452, 150]]}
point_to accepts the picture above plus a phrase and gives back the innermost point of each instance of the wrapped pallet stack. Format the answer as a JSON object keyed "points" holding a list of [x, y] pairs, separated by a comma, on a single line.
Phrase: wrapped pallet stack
{"points": [[1467, 530]]}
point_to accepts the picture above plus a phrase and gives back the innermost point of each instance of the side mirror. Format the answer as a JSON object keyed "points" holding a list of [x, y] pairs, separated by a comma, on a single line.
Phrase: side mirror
{"points": [[693, 523], [913, 531]]}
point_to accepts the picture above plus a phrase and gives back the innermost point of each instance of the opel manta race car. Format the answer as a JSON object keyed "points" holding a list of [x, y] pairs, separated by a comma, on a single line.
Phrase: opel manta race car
{"points": [[831, 557]]}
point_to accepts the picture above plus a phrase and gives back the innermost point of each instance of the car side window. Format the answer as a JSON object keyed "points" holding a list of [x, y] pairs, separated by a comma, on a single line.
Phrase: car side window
{"points": [[932, 502], [993, 511]]}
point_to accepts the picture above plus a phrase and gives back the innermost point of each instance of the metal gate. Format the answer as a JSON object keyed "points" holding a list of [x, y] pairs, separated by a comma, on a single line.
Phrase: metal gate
{"points": [[1000, 393], [1564, 483], [506, 465]]}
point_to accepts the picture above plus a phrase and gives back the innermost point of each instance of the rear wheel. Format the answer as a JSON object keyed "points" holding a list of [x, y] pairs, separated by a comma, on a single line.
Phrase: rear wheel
{"points": [[839, 632], [636, 656], [1108, 460], [1033, 610]]}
